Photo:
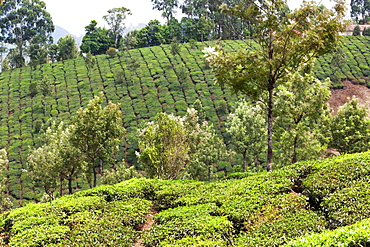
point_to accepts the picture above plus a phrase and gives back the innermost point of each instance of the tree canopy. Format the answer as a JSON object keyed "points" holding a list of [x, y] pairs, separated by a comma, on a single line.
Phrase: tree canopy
{"points": [[283, 41], [23, 22], [360, 10], [115, 18], [96, 40]]}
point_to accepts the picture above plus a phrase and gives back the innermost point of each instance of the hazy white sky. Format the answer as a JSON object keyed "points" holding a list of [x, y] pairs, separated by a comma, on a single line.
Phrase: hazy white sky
{"points": [[74, 15]]}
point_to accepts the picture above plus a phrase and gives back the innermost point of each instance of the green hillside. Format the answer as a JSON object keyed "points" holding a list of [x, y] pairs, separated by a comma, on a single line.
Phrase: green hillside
{"points": [[161, 83], [264, 209]]}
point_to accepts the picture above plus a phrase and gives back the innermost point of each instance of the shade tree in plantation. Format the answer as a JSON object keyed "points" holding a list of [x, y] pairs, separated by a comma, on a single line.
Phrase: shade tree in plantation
{"points": [[168, 7], [150, 35], [96, 40], [67, 48], [356, 31], [22, 22], [337, 62], [301, 117], [114, 19], [38, 54], [97, 133], [163, 147], [360, 10], [173, 147], [90, 62], [247, 128], [207, 148], [44, 87], [282, 42], [56, 161], [350, 128]]}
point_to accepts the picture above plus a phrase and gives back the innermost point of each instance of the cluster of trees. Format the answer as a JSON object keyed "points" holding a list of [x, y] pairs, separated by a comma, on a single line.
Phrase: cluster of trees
{"points": [[27, 26], [80, 148], [360, 11], [173, 147]]}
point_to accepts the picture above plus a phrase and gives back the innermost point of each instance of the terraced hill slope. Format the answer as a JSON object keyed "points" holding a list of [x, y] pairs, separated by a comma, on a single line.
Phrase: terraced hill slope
{"points": [[162, 82]]}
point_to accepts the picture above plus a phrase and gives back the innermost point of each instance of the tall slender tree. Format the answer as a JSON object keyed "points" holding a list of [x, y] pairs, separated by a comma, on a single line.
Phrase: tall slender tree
{"points": [[23, 22], [283, 42], [115, 18], [360, 9], [168, 7]]}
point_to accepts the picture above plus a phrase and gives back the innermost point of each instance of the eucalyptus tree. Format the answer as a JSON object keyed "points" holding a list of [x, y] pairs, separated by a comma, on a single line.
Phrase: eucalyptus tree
{"points": [[223, 25], [23, 22], [115, 18], [282, 42], [360, 9], [168, 7]]}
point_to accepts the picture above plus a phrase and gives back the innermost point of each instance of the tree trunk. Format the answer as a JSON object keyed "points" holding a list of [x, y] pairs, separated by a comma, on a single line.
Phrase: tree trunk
{"points": [[294, 158], [270, 120], [70, 189], [61, 186], [245, 160], [94, 171]]}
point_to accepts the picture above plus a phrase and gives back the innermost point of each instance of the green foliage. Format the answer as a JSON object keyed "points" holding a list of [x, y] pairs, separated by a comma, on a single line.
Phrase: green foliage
{"points": [[354, 235], [247, 127], [262, 209], [145, 92], [5, 202], [174, 147], [97, 133], [56, 160], [301, 113], [356, 31], [67, 48], [164, 147], [350, 128], [188, 221], [111, 52], [21, 25], [277, 48], [96, 40], [360, 10], [118, 174]]}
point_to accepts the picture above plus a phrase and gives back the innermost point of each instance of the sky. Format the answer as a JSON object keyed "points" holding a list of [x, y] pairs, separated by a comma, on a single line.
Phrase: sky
{"points": [[74, 15]]}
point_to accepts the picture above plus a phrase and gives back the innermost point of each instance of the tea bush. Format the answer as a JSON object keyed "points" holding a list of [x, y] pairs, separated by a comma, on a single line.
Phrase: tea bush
{"points": [[353, 235]]}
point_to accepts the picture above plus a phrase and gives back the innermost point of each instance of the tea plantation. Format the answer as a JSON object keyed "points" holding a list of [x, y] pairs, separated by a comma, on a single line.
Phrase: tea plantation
{"points": [[315, 203], [144, 81]]}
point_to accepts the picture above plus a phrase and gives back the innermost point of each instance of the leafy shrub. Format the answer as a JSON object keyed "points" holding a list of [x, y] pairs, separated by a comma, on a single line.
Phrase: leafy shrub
{"points": [[112, 52], [181, 222], [282, 218], [42, 235], [333, 174], [354, 235], [348, 205]]}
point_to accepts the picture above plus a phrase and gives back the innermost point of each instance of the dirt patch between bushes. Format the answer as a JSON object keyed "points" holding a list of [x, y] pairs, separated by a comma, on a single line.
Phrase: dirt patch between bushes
{"points": [[146, 226], [339, 96]]}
